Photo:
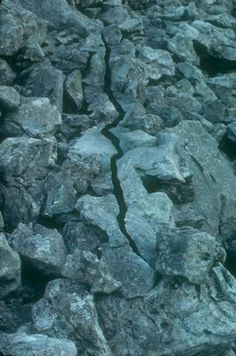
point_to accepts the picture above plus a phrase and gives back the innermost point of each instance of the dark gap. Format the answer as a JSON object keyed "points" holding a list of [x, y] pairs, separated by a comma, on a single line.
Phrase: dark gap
{"points": [[118, 192], [50, 222], [69, 106], [230, 248], [213, 65], [33, 282], [151, 183], [228, 147]]}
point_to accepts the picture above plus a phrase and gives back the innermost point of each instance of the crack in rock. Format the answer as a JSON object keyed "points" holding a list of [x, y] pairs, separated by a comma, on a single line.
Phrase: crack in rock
{"points": [[118, 192]]}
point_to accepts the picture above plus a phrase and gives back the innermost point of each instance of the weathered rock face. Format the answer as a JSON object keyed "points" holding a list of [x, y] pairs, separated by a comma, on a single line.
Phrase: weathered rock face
{"points": [[117, 177]]}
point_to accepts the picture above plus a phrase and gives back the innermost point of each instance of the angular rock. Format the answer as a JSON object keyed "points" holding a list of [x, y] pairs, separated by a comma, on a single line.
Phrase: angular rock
{"points": [[36, 117], [74, 89], [60, 193], [10, 268], [210, 184], [18, 27], [74, 318], [187, 253], [44, 80], [24, 164], [60, 15], [43, 247], [84, 267], [158, 62], [9, 98], [176, 317], [20, 344]]}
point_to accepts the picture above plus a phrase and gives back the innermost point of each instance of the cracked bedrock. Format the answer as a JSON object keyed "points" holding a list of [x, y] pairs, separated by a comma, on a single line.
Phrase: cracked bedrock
{"points": [[117, 177]]}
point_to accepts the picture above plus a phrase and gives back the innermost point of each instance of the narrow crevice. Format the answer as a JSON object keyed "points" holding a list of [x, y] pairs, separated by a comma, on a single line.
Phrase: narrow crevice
{"points": [[228, 147], [118, 192]]}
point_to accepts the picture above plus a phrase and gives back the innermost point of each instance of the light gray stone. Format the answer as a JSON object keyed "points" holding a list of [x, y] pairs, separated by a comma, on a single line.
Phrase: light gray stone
{"points": [[20, 344], [43, 247]]}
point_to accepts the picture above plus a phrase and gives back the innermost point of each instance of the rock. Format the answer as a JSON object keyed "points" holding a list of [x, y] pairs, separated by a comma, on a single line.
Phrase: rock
{"points": [[74, 317], [43, 247], [20, 344], [18, 28], [149, 123], [7, 76], [84, 238], [44, 80], [157, 320], [36, 117], [137, 279], [131, 139], [9, 98], [61, 15], [84, 267], [187, 253], [24, 164], [158, 62], [74, 89], [102, 212], [103, 111], [28, 158], [61, 194], [215, 111], [225, 47], [10, 268], [218, 189]]}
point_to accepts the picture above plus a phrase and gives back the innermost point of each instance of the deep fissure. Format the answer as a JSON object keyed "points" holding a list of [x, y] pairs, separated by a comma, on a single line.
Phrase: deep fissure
{"points": [[118, 192]]}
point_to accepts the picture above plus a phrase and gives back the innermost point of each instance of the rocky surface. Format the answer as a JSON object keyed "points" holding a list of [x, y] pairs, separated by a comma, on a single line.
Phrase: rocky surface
{"points": [[117, 177]]}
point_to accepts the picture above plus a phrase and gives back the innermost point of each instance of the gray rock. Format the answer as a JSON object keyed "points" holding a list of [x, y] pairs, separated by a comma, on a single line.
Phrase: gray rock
{"points": [[10, 268], [9, 98], [43, 247], [171, 318], [36, 117], [44, 80], [158, 62], [74, 89], [59, 14], [135, 281], [187, 253], [16, 32], [7, 76], [20, 344], [84, 267], [131, 139], [60, 193], [26, 158], [102, 212], [74, 318], [210, 184], [225, 46], [83, 237], [24, 164]]}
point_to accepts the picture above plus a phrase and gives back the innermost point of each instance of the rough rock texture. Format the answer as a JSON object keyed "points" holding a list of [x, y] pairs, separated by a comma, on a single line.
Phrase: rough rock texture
{"points": [[117, 177]]}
